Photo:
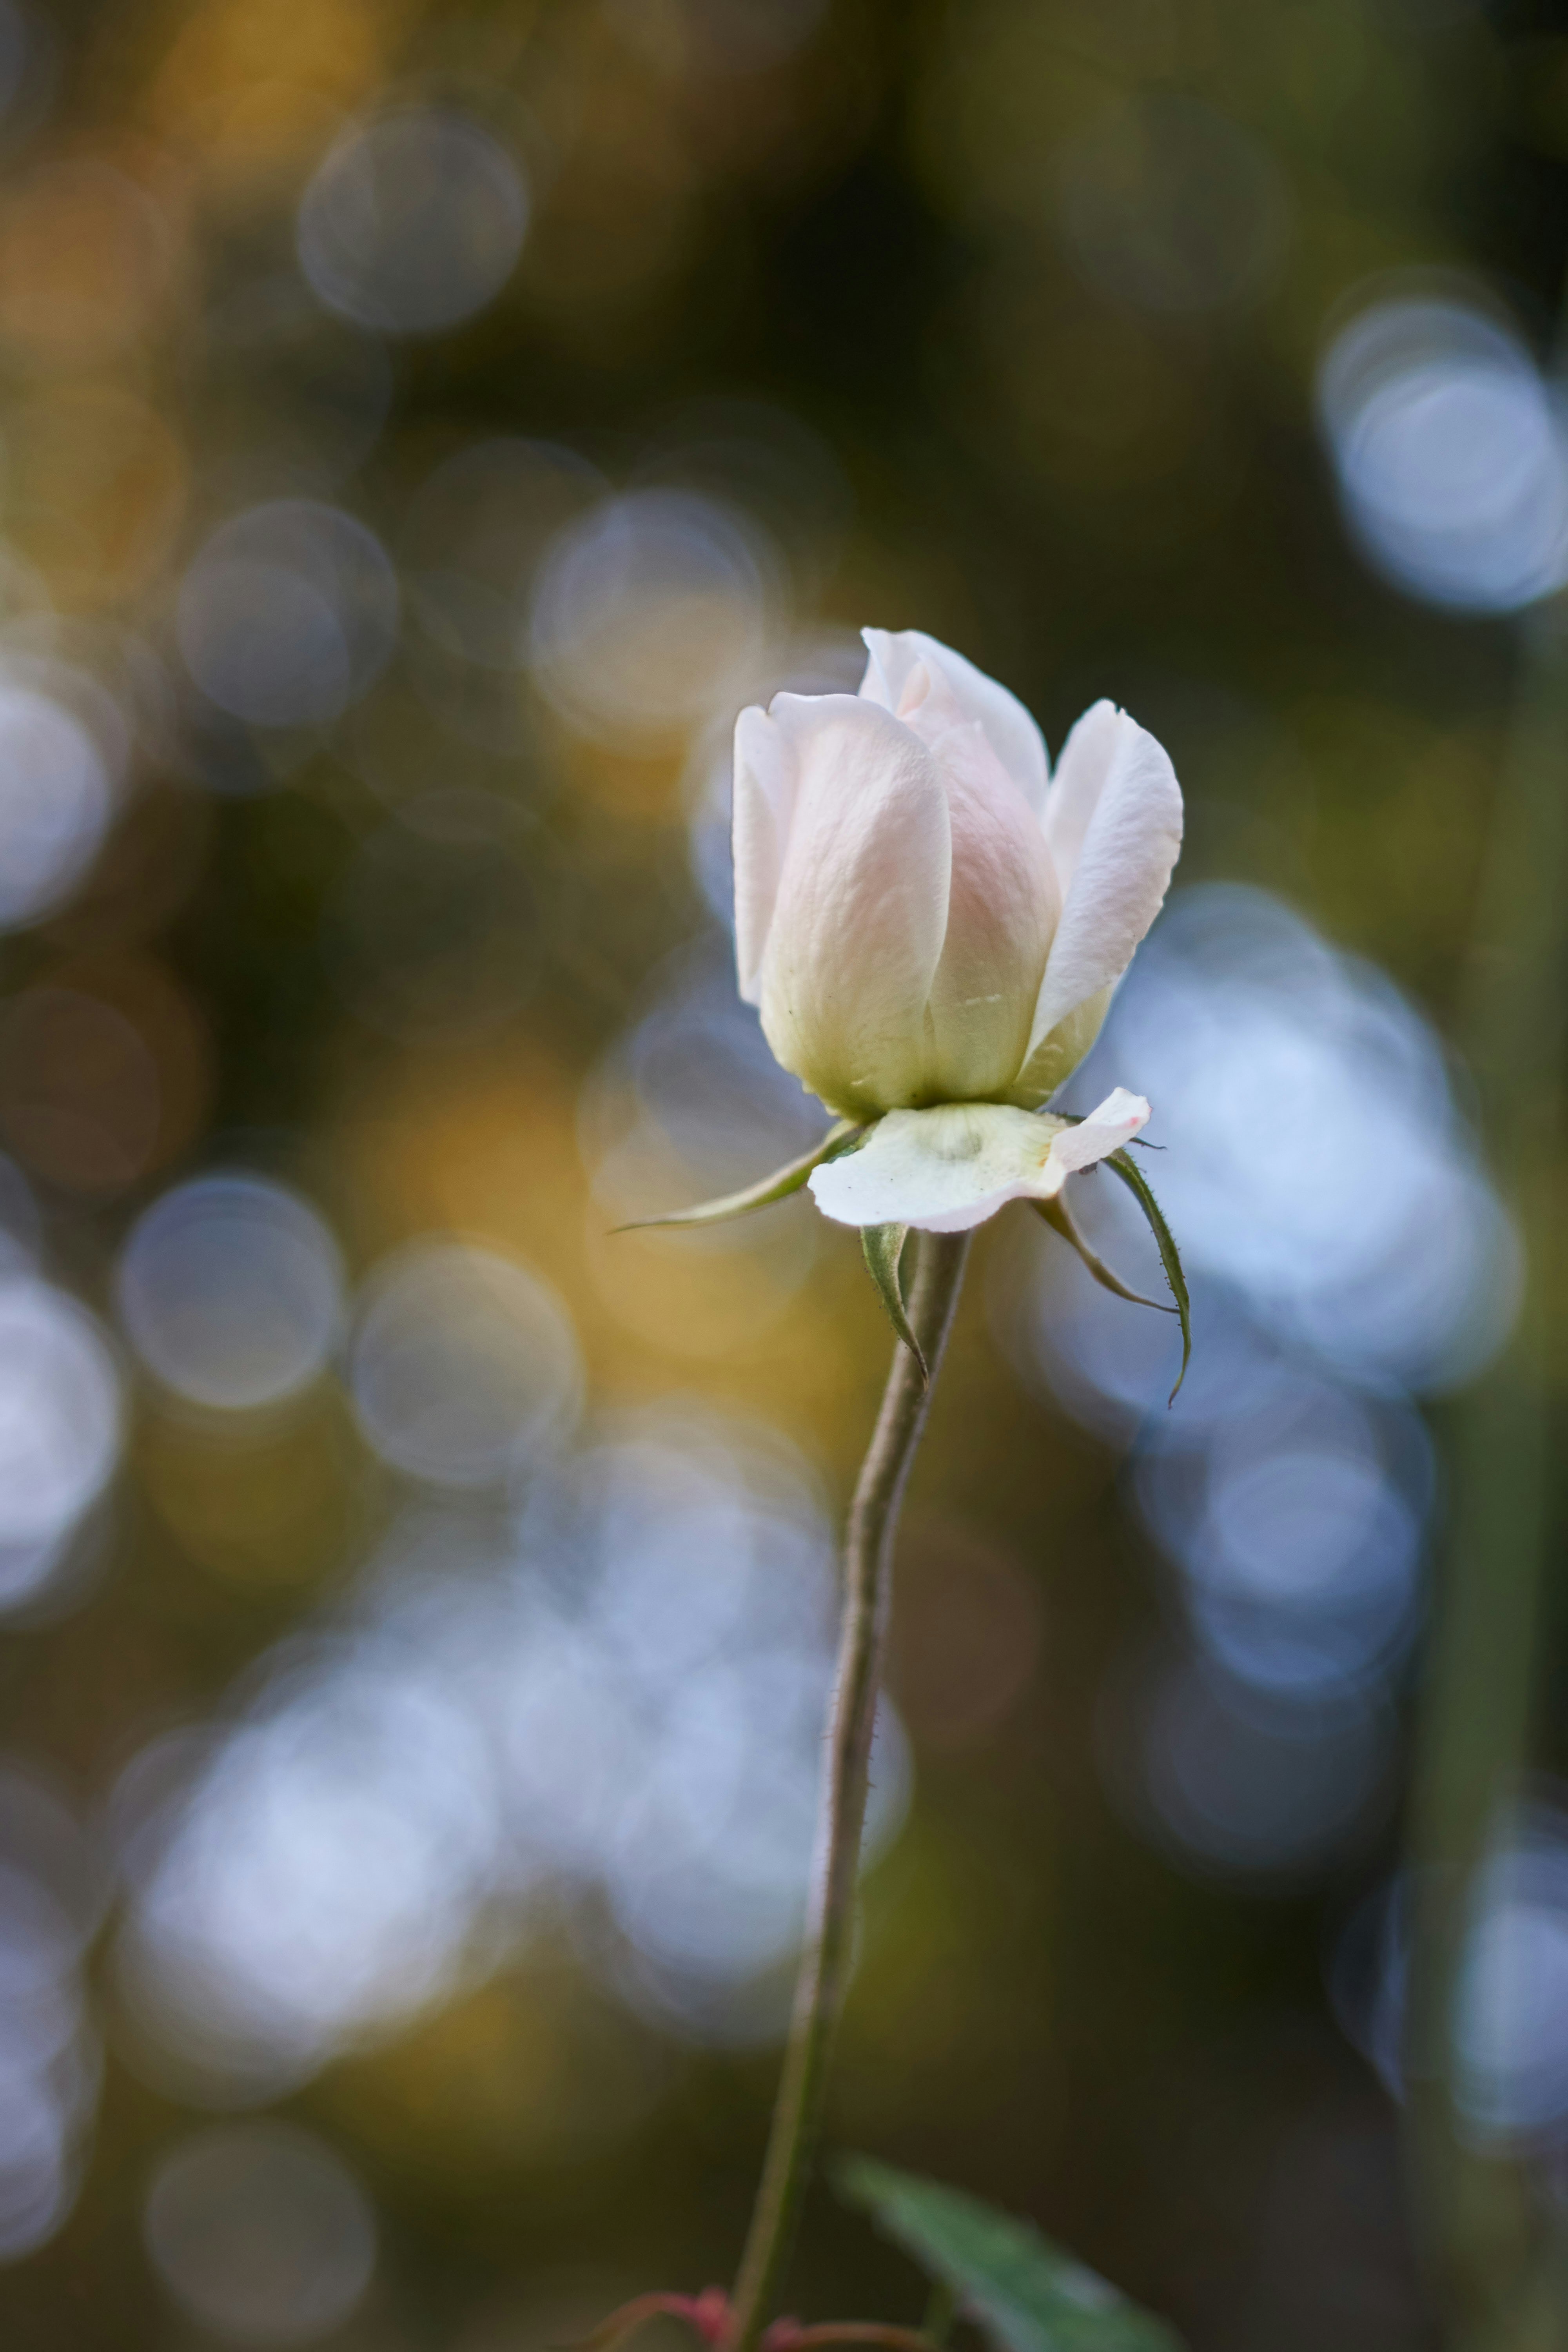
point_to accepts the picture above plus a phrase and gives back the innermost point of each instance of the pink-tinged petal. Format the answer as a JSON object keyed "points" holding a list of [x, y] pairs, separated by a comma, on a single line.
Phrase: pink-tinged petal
{"points": [[860, 909], [1131, 841], [944, 1170], [1076, 787], [1117, 1120], [893, 654], [1003, 908], [762, 807]]}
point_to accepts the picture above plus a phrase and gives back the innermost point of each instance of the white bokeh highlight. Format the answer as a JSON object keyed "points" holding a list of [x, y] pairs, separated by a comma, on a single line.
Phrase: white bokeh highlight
{"points": [[260, 2232], [51, 1895], [1450, 450], [464, 1368], [230, 1290], [1314, 1161], [57, 800], [1346, 1254], [650, 613], [611, 1703], [413, 222], [288, 613], [60, 1428]]}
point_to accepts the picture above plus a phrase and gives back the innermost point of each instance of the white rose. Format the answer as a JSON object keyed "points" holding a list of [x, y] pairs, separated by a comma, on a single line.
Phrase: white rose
{"points": [[931, 926], [923, 914]]}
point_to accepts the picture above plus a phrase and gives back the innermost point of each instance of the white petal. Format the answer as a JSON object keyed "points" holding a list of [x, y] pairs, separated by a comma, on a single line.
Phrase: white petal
{"points": [[1002, 912], [1058, 1055], [1117, 1121], [950, 1168], [763, 805], [860, 908], [893, 654], [1076, 787], [944, 1170], [1130, 844]]}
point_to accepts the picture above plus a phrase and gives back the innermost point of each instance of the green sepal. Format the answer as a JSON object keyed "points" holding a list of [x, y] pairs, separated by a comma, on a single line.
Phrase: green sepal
{"points": [[1024, 2294], [1055, 1213], [776, 1187], [1132, 1176], [884, 1246]]}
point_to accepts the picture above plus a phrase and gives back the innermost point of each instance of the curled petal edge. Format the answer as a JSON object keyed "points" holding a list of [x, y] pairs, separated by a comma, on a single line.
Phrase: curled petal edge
{"points": [[948, 1168]]}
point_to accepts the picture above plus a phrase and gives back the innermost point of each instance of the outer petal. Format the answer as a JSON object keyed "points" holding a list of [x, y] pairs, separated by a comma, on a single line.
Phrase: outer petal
{"points": [[860, 909], [763, 806], [1106, 1130], [1129, 843], [1009, 730], [1002, 912], [950, 1168], [1075, 789], [1056, 1058]]}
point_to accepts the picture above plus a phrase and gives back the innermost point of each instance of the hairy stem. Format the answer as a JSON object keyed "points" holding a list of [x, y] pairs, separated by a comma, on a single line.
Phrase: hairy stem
{"points": [[862, 1649]]}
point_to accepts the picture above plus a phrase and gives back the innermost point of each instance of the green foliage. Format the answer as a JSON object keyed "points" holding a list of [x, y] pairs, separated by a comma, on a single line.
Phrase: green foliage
{"points": [[1026, 2294], [884, 1247], [1056, 1217], [776, 1187], [1132, 1176]]}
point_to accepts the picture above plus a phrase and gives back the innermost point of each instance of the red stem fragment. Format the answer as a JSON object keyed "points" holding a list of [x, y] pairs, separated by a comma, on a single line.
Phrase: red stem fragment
{"points": [[789, 2335], [708, 2315]]}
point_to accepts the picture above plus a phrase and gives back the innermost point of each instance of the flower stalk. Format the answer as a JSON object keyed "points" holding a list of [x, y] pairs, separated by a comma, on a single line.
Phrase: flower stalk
{"points": [[930, 925], [1480, 2226], [862, 1654]]}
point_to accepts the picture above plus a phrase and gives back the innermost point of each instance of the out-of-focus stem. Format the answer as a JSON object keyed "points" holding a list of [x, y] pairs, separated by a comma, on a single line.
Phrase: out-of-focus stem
{"points": [[862, 1649], [1474, 2215]]}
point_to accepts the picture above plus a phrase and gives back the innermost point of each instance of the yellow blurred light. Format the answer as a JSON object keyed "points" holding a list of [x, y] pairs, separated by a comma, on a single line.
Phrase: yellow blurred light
{"points": [[646, 790], [534, 2069], [264, 133], [698, 1302], [487, 1147], [97, 489], [219, 90], [85, 262], [269, 1507]]}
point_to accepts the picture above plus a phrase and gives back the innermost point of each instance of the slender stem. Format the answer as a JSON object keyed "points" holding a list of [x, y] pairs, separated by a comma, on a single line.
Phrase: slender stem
{"points": [[862, 1649], [1478, 2222]]}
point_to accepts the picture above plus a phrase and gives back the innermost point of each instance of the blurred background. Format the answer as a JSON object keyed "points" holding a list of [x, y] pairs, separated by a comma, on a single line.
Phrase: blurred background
{"points": [[422, 427]]}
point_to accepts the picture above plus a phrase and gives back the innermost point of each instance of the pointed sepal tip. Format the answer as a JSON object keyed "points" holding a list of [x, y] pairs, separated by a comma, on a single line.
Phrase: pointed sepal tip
{"points": [[1132, 1176], [884, 1247]]}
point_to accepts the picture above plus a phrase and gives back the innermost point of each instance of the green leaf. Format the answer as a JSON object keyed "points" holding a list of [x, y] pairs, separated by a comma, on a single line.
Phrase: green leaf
{"points": [[776, 1187], [1055, 1213], [1132, 1176], [1025, 2294], [884, 1246]]}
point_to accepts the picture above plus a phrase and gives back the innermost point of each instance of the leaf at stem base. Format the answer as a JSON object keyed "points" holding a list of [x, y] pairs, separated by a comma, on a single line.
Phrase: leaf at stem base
{"points": [[1026, 2294]]}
